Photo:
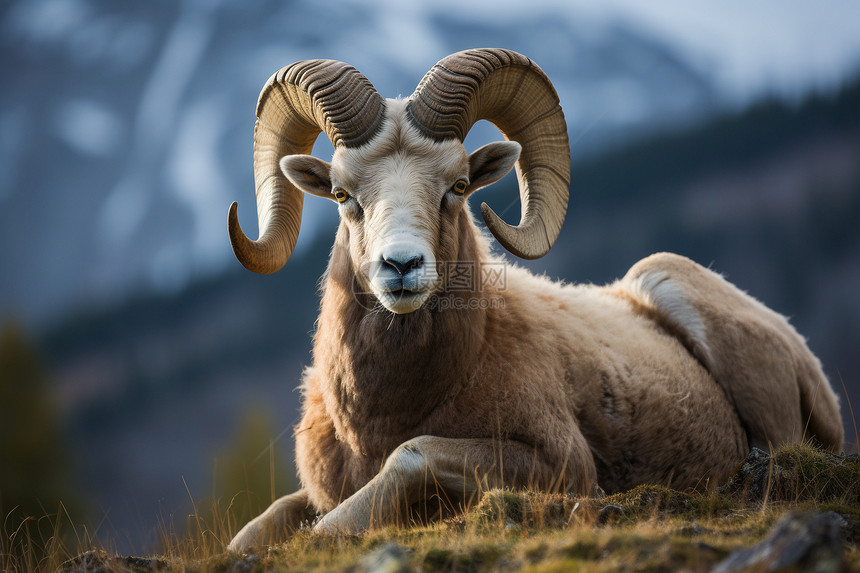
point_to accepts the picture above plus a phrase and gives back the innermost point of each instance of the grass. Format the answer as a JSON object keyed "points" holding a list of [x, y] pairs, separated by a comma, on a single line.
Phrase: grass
{"points": [[648, 528], [40, 544]]}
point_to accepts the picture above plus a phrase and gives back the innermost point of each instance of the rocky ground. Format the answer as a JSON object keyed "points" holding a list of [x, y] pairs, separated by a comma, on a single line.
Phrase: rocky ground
{"points": [[797, 510]]}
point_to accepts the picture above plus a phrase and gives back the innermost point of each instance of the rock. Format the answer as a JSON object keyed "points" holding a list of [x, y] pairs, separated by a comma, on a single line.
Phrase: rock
{"points": [[101, 562], [389, 558], [98, 561], [89, 562], [244, 565], [798, 542], [755, 475], [609, 514]]}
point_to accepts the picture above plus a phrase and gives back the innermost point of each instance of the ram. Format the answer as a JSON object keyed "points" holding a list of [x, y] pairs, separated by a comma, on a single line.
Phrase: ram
{"points": [[440, 370]]}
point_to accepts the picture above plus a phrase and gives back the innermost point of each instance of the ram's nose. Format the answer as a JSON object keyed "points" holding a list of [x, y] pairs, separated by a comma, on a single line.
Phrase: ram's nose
{"points": [[404, 264]]}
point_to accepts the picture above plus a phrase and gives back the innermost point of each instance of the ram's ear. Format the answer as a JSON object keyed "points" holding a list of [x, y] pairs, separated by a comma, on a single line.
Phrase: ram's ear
{"points": [[491, 162], [309, 174]]}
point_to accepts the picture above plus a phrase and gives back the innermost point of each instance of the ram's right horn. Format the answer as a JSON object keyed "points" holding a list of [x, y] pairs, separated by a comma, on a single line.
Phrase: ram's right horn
{"points": [[297, 103]]}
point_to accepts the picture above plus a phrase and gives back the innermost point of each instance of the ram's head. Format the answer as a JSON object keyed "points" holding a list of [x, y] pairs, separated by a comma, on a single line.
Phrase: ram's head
{"points": [[400, 174]]}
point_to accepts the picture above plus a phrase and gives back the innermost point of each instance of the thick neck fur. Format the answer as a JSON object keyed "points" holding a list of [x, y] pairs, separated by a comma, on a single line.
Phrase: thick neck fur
{"points": [[386, 373]]}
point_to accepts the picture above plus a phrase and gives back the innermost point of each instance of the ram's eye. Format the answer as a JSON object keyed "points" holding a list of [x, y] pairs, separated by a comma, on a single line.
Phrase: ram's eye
{"points": [[341, 195], [460, 186]]}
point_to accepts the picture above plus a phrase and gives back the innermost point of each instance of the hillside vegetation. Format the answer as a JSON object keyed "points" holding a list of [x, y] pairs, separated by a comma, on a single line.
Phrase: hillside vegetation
{"points": [[798, 510]]}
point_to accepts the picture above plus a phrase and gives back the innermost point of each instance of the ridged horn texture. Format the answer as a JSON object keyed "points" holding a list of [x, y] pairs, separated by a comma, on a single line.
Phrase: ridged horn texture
{"points": [[514, 94], [297, 103]]}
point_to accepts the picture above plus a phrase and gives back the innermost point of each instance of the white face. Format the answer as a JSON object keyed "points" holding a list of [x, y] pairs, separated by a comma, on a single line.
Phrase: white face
{"points": [[397, 200], [400, 196]]}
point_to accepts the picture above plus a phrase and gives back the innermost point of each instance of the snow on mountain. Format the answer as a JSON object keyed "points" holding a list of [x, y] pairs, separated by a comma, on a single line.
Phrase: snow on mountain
{"points": [[125, 129]]}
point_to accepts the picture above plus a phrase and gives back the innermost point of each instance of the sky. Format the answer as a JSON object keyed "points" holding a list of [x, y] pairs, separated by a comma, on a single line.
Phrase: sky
{"points": [[757, 46], [752, 47]]}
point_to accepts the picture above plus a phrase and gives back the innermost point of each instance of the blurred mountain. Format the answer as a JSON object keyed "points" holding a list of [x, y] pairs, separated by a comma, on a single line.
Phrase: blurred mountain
{"points": [[125, 128], [155, 386]]}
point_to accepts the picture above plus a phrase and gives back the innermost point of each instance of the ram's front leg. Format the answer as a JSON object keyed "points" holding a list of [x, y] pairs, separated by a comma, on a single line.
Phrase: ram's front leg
{"points": [[458, 470], [274, 525]]}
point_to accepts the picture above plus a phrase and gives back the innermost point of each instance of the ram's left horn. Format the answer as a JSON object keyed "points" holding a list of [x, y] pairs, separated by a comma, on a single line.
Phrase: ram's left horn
{"points": [[297, 103], [514, 94]]}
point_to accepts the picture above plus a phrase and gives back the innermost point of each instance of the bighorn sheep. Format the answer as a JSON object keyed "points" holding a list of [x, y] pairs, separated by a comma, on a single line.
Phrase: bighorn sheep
{"points": [[421, 390]]}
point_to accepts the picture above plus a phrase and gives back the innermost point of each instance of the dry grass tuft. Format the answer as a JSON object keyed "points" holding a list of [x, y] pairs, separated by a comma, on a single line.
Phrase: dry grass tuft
{"points": [[649, 528], [798, 474]]}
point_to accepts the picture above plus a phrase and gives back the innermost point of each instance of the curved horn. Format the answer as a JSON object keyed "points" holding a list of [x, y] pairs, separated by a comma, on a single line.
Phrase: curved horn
{"points": [[513, 93], [297, 103]]}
